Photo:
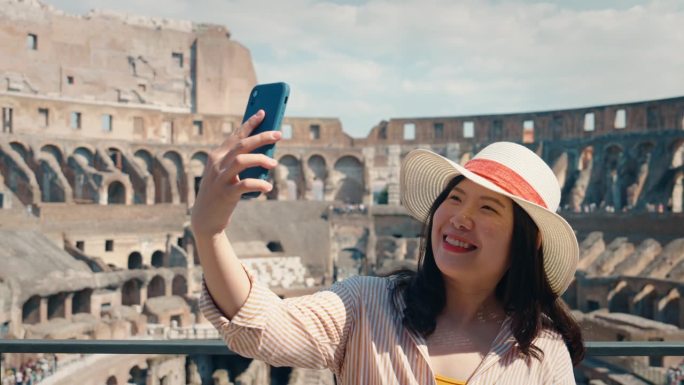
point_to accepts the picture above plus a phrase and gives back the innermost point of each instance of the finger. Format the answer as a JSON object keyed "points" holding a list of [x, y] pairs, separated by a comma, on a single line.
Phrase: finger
{"points": [[233, 166], [252, 185], [251, 143], [250, 124]]}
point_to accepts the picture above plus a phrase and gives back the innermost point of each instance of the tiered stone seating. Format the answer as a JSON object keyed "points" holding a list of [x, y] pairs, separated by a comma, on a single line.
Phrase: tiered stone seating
{"points": [[282, 272]]}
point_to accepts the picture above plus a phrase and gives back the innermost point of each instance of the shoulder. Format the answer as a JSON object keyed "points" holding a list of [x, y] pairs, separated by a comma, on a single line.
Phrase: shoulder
{"points": [[364, 285]]}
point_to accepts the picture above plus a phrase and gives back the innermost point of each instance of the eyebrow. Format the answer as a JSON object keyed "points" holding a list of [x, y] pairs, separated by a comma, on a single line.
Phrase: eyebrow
{"points": [[483, 197]]}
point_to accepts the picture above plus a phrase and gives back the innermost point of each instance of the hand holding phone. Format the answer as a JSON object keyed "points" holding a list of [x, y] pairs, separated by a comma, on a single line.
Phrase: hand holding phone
{"points": [[272, 98]]}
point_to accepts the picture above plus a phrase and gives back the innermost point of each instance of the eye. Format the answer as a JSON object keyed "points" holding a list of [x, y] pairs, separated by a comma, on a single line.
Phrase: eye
{"points": [[455, 198], [490, 208]]}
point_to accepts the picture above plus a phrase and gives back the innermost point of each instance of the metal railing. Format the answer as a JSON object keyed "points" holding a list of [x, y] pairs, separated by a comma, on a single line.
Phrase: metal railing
{"points": [[218, 347]]}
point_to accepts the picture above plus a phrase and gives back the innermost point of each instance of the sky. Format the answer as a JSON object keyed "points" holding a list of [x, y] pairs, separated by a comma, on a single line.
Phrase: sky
{"points": [[367, 61]]}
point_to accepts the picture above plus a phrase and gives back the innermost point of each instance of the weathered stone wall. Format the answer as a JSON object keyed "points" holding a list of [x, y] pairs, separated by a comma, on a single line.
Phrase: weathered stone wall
{"points": [[111, 57]]}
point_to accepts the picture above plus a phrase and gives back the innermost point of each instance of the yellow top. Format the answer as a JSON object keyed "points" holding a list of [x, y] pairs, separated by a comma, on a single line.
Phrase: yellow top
{"points": [[441, 380]]}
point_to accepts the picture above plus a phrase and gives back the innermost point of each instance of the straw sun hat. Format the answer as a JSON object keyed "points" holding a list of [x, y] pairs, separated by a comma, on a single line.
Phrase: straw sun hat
{"points": [[511, 170]]}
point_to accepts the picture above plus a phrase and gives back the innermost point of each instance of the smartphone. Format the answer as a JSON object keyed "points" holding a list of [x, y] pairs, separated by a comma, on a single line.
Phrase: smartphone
{"points": [[272, 98]]}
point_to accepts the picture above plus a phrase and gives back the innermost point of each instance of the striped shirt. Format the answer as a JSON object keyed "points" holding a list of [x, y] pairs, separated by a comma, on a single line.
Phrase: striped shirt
{"points": [[355, 329]]}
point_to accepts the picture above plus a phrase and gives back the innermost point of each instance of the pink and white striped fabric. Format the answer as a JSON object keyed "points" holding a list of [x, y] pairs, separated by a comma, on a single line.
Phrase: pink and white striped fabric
{"points": [[354, 330]]}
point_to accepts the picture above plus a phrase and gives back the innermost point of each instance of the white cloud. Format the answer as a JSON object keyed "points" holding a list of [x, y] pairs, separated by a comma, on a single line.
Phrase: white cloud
{"points": [[380, 59]]}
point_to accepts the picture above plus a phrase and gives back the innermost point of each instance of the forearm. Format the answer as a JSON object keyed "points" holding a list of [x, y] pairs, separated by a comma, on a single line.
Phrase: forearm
{"points": [[224, 275]]}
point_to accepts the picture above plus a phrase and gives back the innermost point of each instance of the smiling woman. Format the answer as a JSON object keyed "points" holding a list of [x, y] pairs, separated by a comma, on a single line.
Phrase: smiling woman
{"points": [[483, 307]]}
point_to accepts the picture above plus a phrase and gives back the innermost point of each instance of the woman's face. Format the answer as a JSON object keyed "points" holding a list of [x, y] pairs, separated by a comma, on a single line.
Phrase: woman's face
{"points": [[471, 235]]}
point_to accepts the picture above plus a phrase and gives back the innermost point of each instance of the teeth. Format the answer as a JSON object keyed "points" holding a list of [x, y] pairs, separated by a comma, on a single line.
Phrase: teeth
{"points": [[458, 243]]}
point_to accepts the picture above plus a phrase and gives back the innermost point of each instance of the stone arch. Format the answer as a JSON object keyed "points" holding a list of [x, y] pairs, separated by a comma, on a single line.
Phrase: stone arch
{"points": [[145, 159], [179, 180], [637, 171], [620, 298], [668, 308], [289, 178], [24, 150], [644, 303], [86, 154], [137, 376], [349, 178], [116, 193], [677, 164], [49, 176], [158, 259], [179, 286], [318, 171], [116, 156], [55, 151], [56, 306], [135, 261], [80, 302], [131, 293], [19, 176], [156, 287], [30, 311], [198, 162]]}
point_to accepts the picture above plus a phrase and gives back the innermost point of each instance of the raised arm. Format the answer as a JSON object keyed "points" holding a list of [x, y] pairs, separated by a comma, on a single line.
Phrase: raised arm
{"points": [[219, 194]]}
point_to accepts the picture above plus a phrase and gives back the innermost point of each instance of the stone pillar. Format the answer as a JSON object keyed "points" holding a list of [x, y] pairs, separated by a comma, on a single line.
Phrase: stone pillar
{"points": [[393, 166], [43, 309], [68, 305], [189, 187], [308, 178], [678, 193], [368, 165]]}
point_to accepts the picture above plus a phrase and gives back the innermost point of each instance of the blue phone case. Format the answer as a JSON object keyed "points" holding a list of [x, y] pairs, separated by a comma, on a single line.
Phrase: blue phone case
{"points": [[272, 98]]}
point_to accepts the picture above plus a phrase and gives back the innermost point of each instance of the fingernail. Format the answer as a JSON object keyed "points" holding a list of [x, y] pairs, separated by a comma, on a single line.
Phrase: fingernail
{"points": [[276, 134]]}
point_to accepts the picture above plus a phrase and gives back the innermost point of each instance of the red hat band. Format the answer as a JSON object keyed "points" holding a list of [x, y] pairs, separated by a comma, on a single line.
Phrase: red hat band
{"points": [[507, 179]]}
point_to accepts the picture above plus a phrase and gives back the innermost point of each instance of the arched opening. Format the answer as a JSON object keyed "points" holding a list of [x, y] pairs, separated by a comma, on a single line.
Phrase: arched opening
{"points": [[158, 258], [620, 298], [613, 193], [645, 302], [80, 302], [289, 178], [156, 287], [116, 157], [179, 286], [349, 178], [30, 312], [112, 381], [130, 292], [668, 308], [116, 193], [135, 260], [56, 306], [196, 170], [54, 151], [275, 246], [137, 376]]}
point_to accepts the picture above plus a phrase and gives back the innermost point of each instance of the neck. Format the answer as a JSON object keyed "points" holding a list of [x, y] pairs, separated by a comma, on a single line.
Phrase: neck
{"points": [[471, 305]]}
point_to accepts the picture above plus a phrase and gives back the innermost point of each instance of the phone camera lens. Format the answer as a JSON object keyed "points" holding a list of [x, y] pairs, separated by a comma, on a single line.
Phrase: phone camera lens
{"points": [[254, 94]]}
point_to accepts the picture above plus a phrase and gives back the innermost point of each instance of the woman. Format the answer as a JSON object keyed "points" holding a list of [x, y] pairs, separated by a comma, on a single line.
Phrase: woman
{"points": [[483, 308]]}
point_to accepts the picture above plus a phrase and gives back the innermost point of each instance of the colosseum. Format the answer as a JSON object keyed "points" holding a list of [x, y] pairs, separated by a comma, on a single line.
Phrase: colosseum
{"points": [[107, 120]]}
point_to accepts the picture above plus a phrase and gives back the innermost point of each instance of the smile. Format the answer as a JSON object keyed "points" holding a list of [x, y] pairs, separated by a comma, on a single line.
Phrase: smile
{"points": [[458, 245]]}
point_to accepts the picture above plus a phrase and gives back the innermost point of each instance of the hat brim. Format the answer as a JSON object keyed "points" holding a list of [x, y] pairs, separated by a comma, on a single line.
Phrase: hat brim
{"points": [[424, 175]]}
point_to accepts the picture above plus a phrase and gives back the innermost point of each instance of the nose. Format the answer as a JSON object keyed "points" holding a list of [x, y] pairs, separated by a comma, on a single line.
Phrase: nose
{"points": [[462, 221]]}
